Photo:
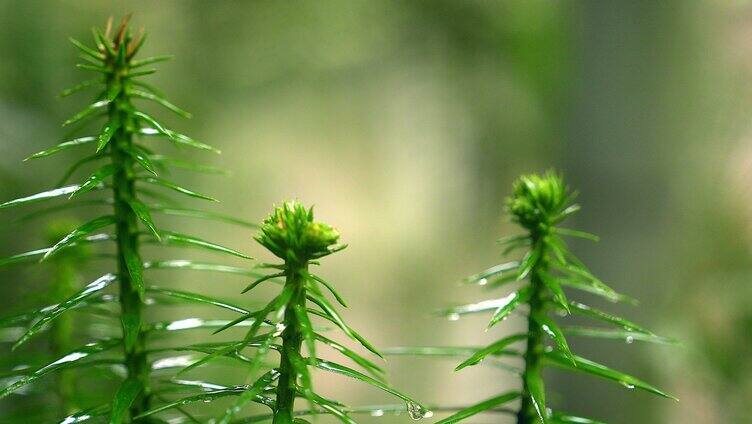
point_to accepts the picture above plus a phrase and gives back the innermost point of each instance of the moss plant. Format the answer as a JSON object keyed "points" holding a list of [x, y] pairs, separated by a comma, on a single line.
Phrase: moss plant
{"points": [[120, 193], [542, 278], [292, 235]]}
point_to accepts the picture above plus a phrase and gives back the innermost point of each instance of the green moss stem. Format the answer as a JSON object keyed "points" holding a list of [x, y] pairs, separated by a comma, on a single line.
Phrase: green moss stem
{"points": [[292, 340], [123, 186], [535, 345]]}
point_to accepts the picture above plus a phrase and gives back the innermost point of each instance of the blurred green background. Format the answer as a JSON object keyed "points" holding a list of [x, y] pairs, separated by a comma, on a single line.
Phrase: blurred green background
{"points": [[405, 123]]}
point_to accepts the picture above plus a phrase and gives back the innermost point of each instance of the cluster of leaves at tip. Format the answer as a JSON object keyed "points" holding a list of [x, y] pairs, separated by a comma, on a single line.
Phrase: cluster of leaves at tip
{"points": [[540, 282], [105, 320], [286, 324]]}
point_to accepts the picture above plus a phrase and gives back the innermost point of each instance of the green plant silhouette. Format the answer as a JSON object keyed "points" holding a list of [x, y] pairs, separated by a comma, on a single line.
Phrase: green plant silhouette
{"points": [[127, 178]]}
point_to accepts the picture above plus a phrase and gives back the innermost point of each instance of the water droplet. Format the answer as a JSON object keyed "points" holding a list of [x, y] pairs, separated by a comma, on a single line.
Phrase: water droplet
{"points": [[629, 339], [483, 281], [627, 385], [377, 413], [417, 412], [453, 317]]}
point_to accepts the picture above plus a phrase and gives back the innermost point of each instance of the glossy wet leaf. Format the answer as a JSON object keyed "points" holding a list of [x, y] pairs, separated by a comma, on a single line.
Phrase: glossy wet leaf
{"points": [[108, 130], [349, 372], [80, 232], [537, 394], [172, 238], [177, 138], [45, 317], [197, 298], [86, 415], [331, 289], [80, 141], [142, 212], [135, 268], [86, 112], [204, 397], [74, 357], [45, 195], [352, 333], [80, 87], [553, 284], [167, 162], [490, 350], [199, 266], [594, 368], [554, 332], [480, 407], [249, 395], [509, 304], [95, 179], [559, 418], [160, 100], [172, 186], [150, 60], [622, 335], [590, 312], [142, 158], [481, 278], [261, 280], [124, 397], [373, 369]]}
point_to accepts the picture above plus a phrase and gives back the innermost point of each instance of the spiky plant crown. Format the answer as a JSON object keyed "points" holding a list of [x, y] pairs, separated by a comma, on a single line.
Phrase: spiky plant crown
{"points": [[290, 233]]}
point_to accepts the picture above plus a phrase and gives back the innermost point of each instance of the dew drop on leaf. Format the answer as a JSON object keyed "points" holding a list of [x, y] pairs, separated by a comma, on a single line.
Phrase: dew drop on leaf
{"points": [[629, 339], [453, 317], [417, 412]]}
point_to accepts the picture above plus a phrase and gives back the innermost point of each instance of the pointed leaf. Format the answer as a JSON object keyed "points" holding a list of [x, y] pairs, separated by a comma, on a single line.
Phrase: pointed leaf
{"points": [[80, 86], [249, 395], [172, 238], [165, 183], [108, 130], [124, 397], [559, 418], [142, 212], [78, 233], [537, 394], [95, 179], [331, 289], [553, 331], [354, 334], [375, 370], [68, 360], [177, 138], [46, 316], [590, 312], [50, 194], [205, 397], [174, 211], [88, 111], [594, 368], [481, 278], [480, 407], [490, 350], [62, 146], [623, 335], [198, 298], [158, 99], [142, 157], [199, 266], [509, 304], [149, 61]]}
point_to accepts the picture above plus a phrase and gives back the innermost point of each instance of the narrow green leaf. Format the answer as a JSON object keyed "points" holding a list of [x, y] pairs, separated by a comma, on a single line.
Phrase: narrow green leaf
{"points": [[86, 112], [95, 180], [177, 138], [375, 370], [511, 300], [62, 146], [331, 289], [553, 284], [91, 67], [537, 394], [142, 212], [576, 233], [199, 266], [559, 418], [354, 334], [590, 312], [195, 297], [165, 183], [261, 280], [78, 233], [490, 350], [481, 278], [172, 238], [553, 331], [623, 335], [249, 395], [590, 367], [78, 164], [206, 397], [329, 310], [509, 304], [480, 407], [45, 195], [150, 60], [142, 157], [349, 372], [86, 49], [80, 86], [46, 316], [73, 358], [108, 130], [131, 324], [126, 394], [158, 99], [86, 415], [135, 269], [306, 328]]}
